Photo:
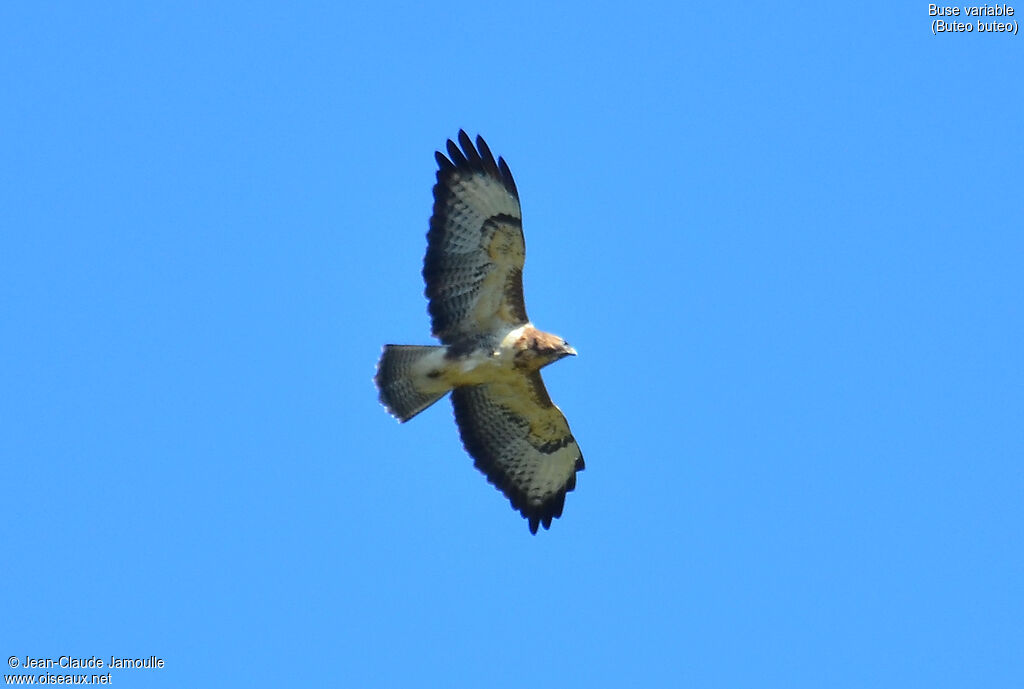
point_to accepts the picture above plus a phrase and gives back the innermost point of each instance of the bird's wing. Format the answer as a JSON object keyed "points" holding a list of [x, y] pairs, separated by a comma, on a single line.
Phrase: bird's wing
{"points": [[475, 251], [521, 441]]}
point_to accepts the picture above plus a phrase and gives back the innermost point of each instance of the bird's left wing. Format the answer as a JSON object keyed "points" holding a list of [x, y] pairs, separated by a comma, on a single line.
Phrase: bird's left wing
{"points": [[521, 441], [473, 268]]}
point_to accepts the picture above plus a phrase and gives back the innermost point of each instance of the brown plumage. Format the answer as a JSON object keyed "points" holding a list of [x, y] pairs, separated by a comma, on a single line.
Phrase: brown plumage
{"points": [[490, 355]]}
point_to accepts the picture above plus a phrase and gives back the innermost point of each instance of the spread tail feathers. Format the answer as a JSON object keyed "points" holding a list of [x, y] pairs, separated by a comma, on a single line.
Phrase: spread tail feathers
{"points": [[407, 381]]}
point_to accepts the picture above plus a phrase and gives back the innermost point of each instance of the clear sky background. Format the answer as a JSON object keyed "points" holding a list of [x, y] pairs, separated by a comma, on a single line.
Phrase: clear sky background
{"points": [[786, 241]]}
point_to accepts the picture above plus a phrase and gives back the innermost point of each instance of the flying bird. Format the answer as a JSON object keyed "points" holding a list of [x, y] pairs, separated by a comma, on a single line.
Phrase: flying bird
{"points": [[490, 354]]}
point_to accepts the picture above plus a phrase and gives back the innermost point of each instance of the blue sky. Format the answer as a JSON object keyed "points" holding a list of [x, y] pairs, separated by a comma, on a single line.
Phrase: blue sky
{"points": [[786, 241]]}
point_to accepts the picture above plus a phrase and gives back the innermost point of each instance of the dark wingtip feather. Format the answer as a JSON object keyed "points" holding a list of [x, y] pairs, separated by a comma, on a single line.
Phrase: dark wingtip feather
{"points": [[455, 154], [472, 156], [487, 158], [506, 176], [443, 164], [476, 158], [559, 504]]}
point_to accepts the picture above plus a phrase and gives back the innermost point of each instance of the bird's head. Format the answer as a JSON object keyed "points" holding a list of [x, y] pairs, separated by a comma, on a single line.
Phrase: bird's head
{"points": [[536, 349], [565, 350], [551, 348]]}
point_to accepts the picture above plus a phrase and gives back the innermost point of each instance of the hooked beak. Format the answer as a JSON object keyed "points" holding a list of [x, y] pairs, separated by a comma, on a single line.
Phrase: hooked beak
{"points": [[570, 351]]}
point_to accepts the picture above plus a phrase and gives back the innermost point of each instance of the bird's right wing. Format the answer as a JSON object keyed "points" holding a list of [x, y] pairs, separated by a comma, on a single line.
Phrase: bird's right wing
{"points": [[521, 441]]}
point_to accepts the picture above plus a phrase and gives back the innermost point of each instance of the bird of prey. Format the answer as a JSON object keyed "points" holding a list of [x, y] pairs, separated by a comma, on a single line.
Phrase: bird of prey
{"points": [[490, 354]]}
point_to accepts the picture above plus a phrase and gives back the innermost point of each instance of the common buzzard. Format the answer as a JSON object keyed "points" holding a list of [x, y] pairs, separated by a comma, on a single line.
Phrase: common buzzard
{"points": [[490, 354]]}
